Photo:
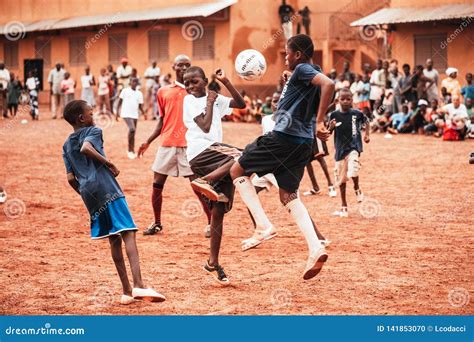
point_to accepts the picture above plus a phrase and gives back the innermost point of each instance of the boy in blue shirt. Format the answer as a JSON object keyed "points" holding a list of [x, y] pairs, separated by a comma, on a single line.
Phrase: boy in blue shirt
{"points": [[348, 144], [288, 148], [92, 176]]}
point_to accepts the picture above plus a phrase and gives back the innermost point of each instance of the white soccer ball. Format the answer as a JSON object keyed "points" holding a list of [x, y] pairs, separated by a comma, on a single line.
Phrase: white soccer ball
{"points": [[250, 65], [24, 122]]}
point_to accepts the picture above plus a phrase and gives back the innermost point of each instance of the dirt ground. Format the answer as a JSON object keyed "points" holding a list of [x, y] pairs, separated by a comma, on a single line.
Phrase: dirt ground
{"points": [[408, 249]]}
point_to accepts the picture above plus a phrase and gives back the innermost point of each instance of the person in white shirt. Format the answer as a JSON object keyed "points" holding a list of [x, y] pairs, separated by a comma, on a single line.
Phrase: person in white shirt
{"points": [[151, 73], [4, 75], [456, 116], [55, 77], [431, 73], [32, 84], [208, 157], [377, 82], [103, 92], [124, 72], [130, 102], [87, 83]]}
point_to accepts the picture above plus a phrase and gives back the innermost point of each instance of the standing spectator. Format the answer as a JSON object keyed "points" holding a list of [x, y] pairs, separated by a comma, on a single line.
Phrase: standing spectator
{"points": [[156, 87], [214, 85], [431, 73], [468, 90], [305, 20], [348, 74], [87, 83], [103, 93], [165, 80], [377, 82], [32, 84], [13, 94], [113, 85], [421, 83], [150, 75], [451, 83], [333, 74], [286, 12], [366, 70], [406, 89], [135, 75], [388, 97], [4, 75], [395, 84], [267, 106], [363, 91], [55, 77], [124, 72], [3, 101], [393, 65], [68, 86]]}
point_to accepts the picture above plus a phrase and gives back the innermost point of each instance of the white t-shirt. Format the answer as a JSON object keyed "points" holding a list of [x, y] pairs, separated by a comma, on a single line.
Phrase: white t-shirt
{"points": [[197, 140], [86, 81], [31, 83], [153, 72], [461, 111], [268, 123], [124, 72], [377, 81], [131, 99], [103, 85], [4, 77]]}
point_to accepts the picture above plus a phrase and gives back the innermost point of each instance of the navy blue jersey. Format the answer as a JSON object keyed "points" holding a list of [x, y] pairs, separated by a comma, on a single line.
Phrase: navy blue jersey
{"points": [[348, 136]]}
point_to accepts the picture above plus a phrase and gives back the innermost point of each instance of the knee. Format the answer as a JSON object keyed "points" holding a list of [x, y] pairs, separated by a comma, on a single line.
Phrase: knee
{"points": [[236, 171], [131, 130]]}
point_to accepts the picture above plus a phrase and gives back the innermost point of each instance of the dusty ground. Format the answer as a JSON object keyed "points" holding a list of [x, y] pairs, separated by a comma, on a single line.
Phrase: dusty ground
{"points": [[411, 252]]}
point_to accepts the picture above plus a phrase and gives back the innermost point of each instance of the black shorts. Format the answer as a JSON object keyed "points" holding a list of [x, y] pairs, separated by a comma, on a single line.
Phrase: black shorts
{"points": [[212, 158], [273, 153], [319, 146]]}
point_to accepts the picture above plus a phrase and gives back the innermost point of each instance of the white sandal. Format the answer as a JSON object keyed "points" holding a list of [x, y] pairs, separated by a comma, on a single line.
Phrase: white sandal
{"points": [[258, 237]]}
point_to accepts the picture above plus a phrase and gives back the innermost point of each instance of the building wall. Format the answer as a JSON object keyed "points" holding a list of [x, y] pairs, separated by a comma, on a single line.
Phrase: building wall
{"points": [[426, 3]]}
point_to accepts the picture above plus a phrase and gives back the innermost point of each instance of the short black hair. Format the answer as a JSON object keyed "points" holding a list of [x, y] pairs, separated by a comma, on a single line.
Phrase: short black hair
{"points": [[345, 91], [302, 43], [197, 69], [73, 109]]}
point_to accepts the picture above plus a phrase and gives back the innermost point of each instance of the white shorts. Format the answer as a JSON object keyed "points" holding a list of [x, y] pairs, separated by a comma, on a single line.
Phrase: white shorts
{"points": [[266, 181], [172, 161], [347, 168]]}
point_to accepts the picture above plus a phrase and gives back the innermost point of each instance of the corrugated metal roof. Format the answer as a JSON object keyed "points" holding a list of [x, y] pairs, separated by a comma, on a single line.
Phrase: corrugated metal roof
{"points": [[182, 11], [416, 14]]}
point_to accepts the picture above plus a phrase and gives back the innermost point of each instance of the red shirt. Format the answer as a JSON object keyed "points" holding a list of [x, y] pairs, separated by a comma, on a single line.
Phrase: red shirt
{"points": [[170, 107]]}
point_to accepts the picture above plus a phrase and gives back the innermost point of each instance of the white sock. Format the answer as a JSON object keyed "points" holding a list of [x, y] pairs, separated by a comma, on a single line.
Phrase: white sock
{"points": [[251, 200], [303, 220]]}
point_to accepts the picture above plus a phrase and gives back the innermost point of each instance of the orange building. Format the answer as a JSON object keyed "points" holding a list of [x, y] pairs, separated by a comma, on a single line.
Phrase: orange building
{"points": [[211, 32]]}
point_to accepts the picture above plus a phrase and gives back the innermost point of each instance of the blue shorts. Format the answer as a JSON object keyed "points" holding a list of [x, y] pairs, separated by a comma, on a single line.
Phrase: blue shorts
{"points": [[114, 218]]}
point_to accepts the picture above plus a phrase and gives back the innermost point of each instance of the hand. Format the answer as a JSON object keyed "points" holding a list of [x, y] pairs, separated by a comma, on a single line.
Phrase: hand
{"points": [[332, 125], [141, 150], [220, 75], [211, 97], [285, 76], [366, 139], [113, 169], [322, 132]]}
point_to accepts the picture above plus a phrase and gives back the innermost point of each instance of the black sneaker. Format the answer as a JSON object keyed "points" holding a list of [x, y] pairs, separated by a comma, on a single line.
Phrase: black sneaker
{"points": [[153, 229], [217, 272], [471, 159]]}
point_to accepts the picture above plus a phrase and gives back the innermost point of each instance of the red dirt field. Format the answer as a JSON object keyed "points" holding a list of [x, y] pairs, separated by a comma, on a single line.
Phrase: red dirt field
{"points": [[410, 253]]}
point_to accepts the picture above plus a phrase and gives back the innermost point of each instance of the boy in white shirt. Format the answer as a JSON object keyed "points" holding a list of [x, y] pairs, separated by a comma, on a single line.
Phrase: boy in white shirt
{"points": [[130, 102], [202, 114]]}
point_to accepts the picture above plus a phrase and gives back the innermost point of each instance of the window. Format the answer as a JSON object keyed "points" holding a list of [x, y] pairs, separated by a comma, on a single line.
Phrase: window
{"points": [[158, 45], [203, 48], [117, 47], [77, 50], [10, 53], [434, 47], [43, 50]]}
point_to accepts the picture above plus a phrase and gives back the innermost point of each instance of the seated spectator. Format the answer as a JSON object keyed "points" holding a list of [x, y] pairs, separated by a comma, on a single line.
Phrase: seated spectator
{"points": [[401, 121], [267, 106], [468, 90], [457, 122], [417, 120], [435, 120]]}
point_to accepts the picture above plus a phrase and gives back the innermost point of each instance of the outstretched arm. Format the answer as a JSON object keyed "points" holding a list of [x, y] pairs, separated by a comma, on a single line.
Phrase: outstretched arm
{"points": [[155, 134]]}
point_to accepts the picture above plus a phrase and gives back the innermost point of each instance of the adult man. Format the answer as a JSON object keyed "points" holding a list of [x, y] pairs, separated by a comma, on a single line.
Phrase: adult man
{"points": [[431, 73], [150, 75], [286, 12], [348, 74], [55, 77], [4, 75], [124, 71], [377, 82], [171, 155]]}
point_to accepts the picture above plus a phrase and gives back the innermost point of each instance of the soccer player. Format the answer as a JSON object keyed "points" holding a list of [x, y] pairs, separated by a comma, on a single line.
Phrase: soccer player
{"points": [[171, 155], [348, 144], [92, 176], [202, 115], [130, 102], [288, 148]]}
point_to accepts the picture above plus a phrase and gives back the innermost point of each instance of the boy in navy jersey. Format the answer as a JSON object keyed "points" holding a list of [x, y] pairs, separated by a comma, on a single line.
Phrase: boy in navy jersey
{"points": [[348, 144]]}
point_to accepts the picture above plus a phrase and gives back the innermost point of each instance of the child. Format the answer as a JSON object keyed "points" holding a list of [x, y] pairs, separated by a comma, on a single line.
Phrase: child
{"points": [[88, 83], [363, 89], [202, 114], [288, 148], [3, 101], [67, 87], [14, 92], [130, 102], [32, 84], [348, 144], [103, 93], [92, 176]]}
